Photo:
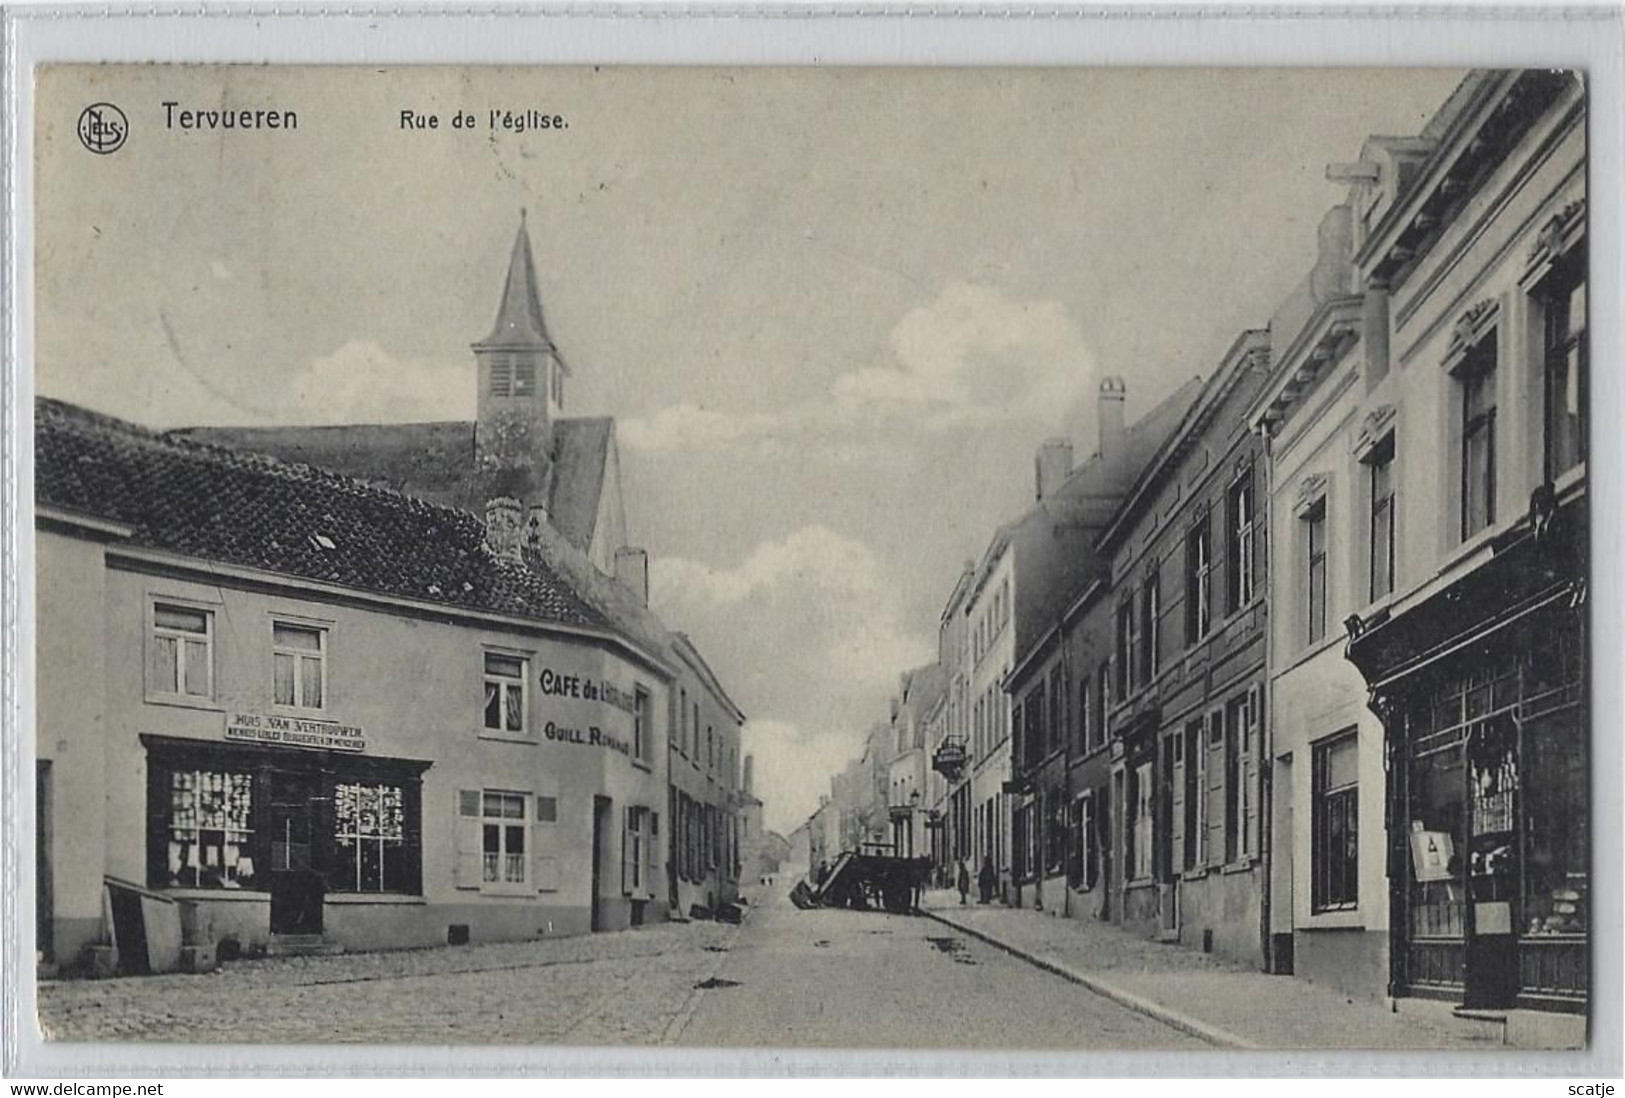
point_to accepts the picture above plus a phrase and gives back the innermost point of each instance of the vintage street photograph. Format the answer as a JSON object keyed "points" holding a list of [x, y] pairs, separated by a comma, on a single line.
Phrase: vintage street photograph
{"points": [[826, 558]]}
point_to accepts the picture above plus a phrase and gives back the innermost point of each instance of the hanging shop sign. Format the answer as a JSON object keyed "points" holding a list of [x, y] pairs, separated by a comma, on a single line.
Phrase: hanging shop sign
{"points": [[277, 731]]}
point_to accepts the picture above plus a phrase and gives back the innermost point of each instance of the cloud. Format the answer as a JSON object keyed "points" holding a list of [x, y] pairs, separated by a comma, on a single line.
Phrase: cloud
{"points": [[360, 382], [817, 583], [689, 426], [810, 634], [974, 356]]}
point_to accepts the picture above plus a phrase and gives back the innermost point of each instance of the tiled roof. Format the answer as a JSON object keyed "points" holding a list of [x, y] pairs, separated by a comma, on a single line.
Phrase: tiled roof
{"points": [[435, 461], [254, 511]]}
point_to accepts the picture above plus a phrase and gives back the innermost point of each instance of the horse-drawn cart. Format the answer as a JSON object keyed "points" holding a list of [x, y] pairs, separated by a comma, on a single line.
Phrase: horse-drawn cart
{"points": [[866, 879]]}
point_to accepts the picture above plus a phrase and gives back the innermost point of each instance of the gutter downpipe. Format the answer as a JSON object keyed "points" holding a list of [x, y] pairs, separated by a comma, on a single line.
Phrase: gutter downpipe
{"points": [[1266, 770]]}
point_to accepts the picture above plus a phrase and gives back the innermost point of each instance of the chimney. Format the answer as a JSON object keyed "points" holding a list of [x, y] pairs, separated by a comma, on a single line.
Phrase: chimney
{"points": [[1113, 445], [504, 533], [1053, 465], [632, 571]]}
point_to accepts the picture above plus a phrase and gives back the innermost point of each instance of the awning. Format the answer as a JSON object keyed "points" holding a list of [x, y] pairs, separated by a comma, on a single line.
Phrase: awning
{"points": [[1482, 633], [1535, 566]]}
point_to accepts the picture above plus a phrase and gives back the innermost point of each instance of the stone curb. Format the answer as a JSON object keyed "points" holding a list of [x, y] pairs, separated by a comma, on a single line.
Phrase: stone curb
{"points": [[1168, 1016]]}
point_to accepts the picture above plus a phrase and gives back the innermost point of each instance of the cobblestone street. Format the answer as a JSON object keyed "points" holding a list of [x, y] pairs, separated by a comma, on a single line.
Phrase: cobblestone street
{"points": [[787, 978], [622, 989]]}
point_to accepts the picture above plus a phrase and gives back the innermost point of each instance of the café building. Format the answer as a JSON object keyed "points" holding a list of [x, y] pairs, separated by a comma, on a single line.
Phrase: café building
{"points": [[278, 709]]}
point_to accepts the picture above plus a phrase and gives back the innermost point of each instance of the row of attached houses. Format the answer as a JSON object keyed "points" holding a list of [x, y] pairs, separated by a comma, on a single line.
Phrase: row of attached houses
{"points": [[1295, 669], [357, 688]]}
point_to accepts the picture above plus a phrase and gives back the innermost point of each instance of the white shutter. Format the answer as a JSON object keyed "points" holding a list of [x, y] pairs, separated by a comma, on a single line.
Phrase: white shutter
{"points": [[544, 834], [467, 871], [1253, 748]]}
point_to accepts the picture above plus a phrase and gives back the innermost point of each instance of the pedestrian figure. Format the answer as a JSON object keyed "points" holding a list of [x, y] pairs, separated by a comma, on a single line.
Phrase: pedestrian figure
{"points": [[964, 882], [987, 879]]}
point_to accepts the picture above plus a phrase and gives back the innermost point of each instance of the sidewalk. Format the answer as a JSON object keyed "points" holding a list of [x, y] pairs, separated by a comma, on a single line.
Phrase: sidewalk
{"points": [[1224, 1003]]}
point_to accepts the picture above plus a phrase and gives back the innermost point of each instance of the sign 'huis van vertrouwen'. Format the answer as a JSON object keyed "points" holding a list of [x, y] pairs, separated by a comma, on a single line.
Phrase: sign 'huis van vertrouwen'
{"points": [[557, 685], [294, 732]]}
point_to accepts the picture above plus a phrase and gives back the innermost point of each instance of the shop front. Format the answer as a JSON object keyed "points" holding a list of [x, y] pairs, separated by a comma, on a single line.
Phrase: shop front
{"points": [[1488, 779], [286, 830]]}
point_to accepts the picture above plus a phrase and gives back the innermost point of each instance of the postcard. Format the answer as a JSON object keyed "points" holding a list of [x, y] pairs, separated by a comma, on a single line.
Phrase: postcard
{"points": [[1003, 558]]}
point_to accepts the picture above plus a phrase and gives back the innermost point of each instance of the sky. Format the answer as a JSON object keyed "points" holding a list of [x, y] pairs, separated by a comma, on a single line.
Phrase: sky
{"points": [[834, 312]]}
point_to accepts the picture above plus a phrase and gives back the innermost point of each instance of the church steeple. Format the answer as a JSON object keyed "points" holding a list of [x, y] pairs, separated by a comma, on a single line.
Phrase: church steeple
{"points": [[519, 321], [521, 387]]}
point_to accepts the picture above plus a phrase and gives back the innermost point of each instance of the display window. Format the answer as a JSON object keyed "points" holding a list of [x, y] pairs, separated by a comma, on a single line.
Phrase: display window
{"points": [[234, 817], [1497, 838], [1555, 836]]}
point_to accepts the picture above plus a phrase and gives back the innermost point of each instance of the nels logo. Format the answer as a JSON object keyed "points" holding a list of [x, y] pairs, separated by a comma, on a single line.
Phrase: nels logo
{"points": [[103, 128]]}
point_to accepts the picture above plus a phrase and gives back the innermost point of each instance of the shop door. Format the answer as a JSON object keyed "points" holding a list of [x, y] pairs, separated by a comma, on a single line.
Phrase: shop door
{"points": [[296, 885], [1492, 864]]}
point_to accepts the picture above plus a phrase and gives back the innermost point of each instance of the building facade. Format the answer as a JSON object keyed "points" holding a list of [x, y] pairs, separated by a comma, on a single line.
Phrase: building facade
{"points": [[951, 748], [1331, 507], [908, 809], [1188, 675], [989, 613], [249, 753], [1086, 634], [1477, 664], [1048, 691], [330, 803], [704, 797]]}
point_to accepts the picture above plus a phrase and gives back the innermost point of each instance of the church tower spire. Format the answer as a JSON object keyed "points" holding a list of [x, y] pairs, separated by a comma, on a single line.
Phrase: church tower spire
{"points": [[521, 387], [519, 321]]}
